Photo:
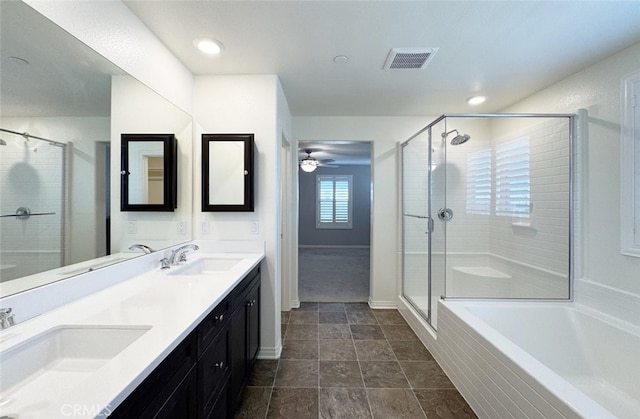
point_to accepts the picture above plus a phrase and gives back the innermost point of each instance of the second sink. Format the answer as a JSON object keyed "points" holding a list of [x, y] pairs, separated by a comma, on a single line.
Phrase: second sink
{"points": [[204, 266]]}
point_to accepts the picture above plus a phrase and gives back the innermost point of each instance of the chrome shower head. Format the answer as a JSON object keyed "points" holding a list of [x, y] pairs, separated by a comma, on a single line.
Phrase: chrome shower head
{"points": [[458, 139]]}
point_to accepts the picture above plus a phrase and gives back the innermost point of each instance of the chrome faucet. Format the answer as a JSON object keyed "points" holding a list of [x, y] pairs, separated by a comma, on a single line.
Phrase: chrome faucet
{"points": [[6, 318], [180, 254], [146, 249]]}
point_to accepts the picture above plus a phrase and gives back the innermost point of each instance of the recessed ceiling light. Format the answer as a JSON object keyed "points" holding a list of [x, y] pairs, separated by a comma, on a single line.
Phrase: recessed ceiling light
{"points": [[208, 46], [476, 100], [340, 59]]}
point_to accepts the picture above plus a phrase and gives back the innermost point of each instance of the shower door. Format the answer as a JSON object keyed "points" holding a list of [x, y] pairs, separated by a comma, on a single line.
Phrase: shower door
{"points": [[416, 223], [423, 235]]}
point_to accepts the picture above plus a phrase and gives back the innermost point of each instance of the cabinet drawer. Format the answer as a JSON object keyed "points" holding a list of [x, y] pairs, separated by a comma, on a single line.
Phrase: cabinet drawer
{"points": [[212, 324], [213, 369]]}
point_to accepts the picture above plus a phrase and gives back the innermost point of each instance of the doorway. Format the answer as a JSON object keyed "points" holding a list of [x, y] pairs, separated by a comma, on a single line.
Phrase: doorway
{"points": [[334, 221]]}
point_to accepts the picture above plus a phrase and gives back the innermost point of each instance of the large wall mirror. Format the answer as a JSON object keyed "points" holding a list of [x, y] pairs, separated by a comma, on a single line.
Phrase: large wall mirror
{"points": [[227, 172], [53, 87], [149, 172]]}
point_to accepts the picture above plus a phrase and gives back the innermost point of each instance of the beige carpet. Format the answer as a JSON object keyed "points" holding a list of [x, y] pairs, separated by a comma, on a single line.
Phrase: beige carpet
{"points": [[328, 274]]}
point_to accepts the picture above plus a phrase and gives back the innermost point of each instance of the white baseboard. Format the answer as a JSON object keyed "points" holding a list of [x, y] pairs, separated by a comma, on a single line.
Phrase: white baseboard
{"points": [[382, 304], [270, 353]]}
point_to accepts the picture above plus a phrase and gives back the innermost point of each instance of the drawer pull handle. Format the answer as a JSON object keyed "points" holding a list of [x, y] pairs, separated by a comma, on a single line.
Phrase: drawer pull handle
{"points": [[251, 303], [219, 318], [219, 365]]}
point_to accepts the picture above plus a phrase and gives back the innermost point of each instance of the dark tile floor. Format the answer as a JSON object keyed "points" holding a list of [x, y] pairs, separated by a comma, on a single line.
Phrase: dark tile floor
{"points": [[345, 360]]}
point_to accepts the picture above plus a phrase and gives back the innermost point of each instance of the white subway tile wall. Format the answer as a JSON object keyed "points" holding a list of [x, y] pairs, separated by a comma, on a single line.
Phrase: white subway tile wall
{"points": [[533, 250], [31, 173]]}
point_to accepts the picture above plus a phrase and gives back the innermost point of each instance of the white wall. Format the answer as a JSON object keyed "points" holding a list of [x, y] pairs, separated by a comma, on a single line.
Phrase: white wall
{"points": [[247, 105], [384, 132], [598, 89]]}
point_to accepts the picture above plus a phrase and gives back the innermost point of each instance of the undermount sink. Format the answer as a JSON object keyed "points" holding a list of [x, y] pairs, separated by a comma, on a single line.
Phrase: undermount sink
{"points": [[56, 360], [204, 266]]}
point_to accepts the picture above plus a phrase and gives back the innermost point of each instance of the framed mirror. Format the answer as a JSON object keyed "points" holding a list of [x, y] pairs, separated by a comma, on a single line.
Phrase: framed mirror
{"points": [[227, 172], [149, 172]]}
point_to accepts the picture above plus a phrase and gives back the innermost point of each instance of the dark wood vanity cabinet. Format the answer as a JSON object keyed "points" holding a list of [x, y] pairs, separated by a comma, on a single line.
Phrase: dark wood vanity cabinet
{"points": [[244, 337], [205, 376], [169, 391]]}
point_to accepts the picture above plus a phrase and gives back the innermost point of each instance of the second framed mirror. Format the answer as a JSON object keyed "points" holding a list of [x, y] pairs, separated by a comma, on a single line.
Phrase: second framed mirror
{"points": [[227, 172]]}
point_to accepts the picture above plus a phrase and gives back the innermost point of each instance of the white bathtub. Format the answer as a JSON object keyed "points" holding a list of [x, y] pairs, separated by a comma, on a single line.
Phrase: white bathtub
{"points": [[545, 360]]}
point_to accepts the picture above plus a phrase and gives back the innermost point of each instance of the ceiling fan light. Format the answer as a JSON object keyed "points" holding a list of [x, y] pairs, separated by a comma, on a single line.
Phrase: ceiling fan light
{"points": [[308, 165]]}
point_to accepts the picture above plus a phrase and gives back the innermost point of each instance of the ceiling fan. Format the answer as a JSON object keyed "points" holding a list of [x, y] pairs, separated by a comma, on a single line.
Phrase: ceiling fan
{"points": [[309, 164]]}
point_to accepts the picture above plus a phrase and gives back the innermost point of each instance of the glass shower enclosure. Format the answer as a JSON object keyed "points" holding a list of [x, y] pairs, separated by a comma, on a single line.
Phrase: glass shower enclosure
{"points": [[486, 209], [33, 197]]}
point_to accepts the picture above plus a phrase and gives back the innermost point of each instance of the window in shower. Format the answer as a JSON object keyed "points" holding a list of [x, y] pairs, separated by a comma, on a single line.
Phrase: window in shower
{"points": [[479, 182], [630, 168], [513, 184], [334, 202]]}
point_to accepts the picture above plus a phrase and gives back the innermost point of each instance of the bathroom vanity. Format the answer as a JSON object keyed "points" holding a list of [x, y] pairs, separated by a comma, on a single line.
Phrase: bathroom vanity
{"points": [[178, 342], [205, 375]]}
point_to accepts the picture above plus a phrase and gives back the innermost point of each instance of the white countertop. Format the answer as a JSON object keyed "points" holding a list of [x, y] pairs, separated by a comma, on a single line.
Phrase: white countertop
{"points": [[171, 305]]}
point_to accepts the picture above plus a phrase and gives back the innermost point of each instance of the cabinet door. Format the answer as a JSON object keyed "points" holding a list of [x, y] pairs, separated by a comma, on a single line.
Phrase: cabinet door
{"points": [[227, 172], [253, 323], [213, 371], [182, 402], [167, 382], [237, 354]]}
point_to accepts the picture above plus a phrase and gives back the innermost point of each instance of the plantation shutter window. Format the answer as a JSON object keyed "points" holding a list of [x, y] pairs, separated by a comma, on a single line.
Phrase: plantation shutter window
{"points": [[479, 182], [334, 201], [513, 185]]}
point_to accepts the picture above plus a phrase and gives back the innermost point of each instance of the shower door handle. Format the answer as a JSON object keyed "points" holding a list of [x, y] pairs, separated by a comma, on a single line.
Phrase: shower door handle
{"points": [[424, 217]]}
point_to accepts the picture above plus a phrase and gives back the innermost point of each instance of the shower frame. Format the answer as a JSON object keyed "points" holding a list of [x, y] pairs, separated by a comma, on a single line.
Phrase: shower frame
{"points": [[67, 156], [574, 131]]}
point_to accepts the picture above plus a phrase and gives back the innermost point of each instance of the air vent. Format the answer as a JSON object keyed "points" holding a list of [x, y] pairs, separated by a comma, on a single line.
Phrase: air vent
{"points": [[409, 58]]}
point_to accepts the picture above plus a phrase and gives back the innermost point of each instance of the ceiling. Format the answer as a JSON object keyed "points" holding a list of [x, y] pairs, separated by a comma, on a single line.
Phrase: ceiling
{"points": [[339, 153], [504, 50], [55, 75]]}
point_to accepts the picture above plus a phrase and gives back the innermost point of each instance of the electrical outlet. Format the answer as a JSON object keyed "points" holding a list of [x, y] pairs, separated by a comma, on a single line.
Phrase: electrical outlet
{"points": [[204, 227], [254, 227], [132, 228], [182, 227]]}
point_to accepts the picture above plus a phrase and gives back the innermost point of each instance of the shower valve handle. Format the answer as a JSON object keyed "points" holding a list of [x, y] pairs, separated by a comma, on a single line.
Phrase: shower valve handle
{"points": [[445, 214]]}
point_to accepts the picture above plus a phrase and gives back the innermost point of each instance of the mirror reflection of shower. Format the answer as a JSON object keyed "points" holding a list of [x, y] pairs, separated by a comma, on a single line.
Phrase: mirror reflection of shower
{"points": [[33, 194], [458, 139]]}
